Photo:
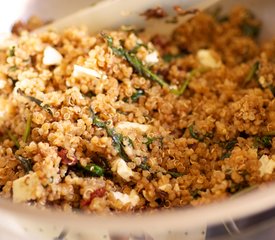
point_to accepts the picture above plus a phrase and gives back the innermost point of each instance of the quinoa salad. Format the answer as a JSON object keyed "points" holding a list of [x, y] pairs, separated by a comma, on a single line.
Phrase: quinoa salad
{"points": [[119, 122]]}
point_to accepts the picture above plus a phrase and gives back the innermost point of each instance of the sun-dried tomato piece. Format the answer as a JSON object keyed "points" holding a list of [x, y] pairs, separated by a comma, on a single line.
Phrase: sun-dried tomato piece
{"points": [[100, 192], [65, 159], [157, 12]]}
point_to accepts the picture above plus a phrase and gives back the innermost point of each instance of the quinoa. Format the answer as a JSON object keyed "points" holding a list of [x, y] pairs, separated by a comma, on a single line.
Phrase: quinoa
{"points": [[86, 124]]}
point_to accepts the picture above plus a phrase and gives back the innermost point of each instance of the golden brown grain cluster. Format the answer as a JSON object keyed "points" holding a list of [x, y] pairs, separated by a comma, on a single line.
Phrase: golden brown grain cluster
{"points": [[84, 124]]}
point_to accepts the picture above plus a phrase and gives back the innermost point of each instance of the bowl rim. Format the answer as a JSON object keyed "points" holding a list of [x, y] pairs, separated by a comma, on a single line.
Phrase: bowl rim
{"points": [[242, 206]]}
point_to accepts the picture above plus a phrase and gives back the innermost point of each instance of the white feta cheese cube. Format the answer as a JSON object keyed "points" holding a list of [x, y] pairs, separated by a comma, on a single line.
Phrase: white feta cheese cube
{"points": [[208, 58], [132, 198], [131, 125], [27, 188], [51, 56], [122, 169], [152, 58], [80, 71], [267, 165]]}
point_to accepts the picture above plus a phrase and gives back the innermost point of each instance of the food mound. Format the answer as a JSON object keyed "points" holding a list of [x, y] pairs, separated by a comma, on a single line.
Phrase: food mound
{"points": [[120, 122]]}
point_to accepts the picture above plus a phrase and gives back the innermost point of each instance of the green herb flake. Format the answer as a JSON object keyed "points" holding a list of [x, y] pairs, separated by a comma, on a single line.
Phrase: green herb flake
{"points": [[38, 102], [129, 141], [134, 61], [14, 139], [149, 141], [27, 129], [228, 147], [250, 26], [144, 166], [89, 94], [194, 134], [111, 132], [170, 57], [195, 194], [174, 174], [12, 68], [25, 162], [93, 169], [137, 47], [272, 89], [252, 72], [179, 91], [12, 51], [218, 16], [137, 95], [250, 30], [230, 144], [263, 141]]}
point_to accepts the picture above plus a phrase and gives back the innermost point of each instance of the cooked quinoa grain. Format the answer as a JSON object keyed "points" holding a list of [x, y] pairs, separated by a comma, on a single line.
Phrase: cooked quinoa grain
{"points": [[111, 122]]}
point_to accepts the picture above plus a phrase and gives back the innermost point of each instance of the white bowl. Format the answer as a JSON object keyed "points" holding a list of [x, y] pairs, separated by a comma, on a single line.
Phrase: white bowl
{"points": [[15, 218]]}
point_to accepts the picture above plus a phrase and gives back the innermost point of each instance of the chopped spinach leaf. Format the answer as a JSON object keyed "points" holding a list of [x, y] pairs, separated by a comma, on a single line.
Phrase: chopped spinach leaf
{"points": [[38, 102], [252, 72], [272, 89], [137, 95], [228, 147], [92, 169], [12, 68], [129, 140], [194, 134], [230, 144], [179, 91], [133, 61], [149, 140], [218, 16], [182, 88], [14, 140], [137, 47], [89, 94], [111, 132], [263, 141], [250, 30], [27, 129], [250, 26], [195, 194], [144, 166], [170, 57], [225, 155], [12, 51], [25, 162], [174, 174]]}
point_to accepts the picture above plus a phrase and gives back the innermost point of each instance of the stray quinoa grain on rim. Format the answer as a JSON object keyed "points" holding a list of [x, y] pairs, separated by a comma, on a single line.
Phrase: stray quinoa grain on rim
{"points": [[111, 122]]}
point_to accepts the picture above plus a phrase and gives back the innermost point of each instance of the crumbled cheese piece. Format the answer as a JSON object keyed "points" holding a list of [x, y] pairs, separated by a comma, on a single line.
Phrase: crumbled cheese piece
{"points": [[267, 165], [152, 58], [209, 58], [27, 188], [263, 81], [132, 125], [2, 83], [133, 198], [51, 56], [165, 187], [80, 71], [122, 169]]}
